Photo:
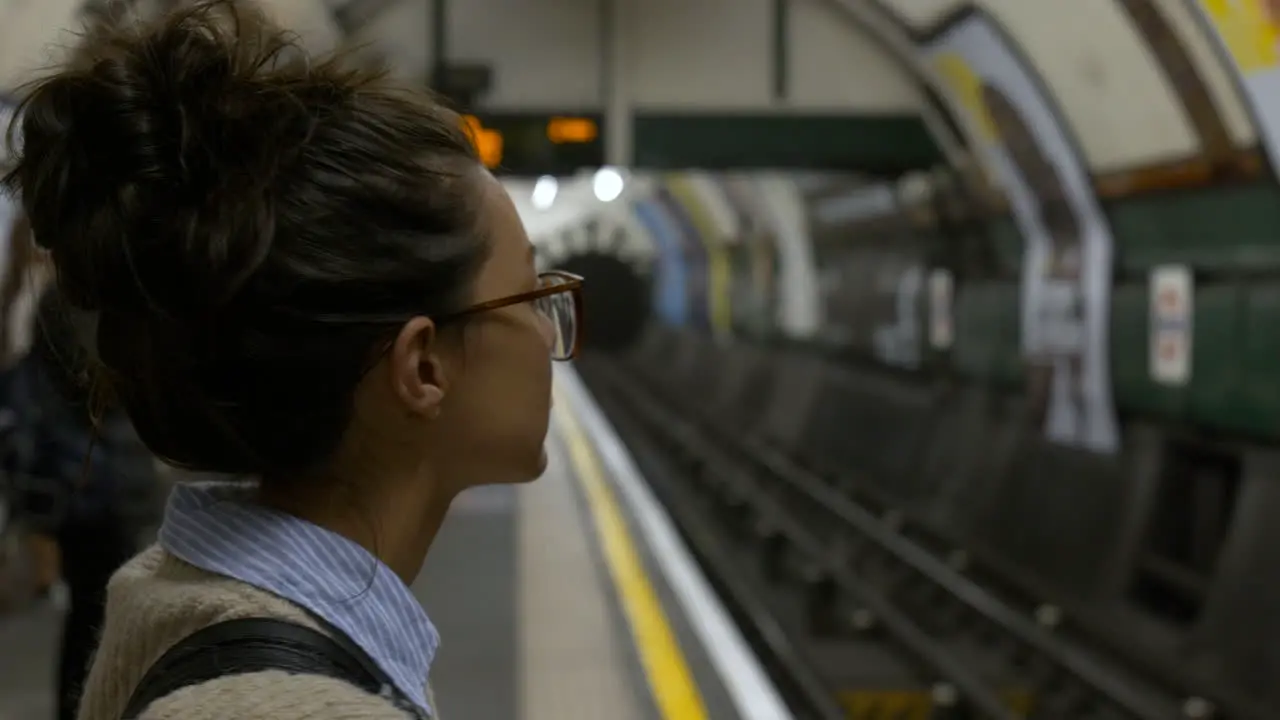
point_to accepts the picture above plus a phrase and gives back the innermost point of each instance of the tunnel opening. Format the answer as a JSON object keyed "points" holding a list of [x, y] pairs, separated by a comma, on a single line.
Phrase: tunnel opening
{"points": [[616, 299]]}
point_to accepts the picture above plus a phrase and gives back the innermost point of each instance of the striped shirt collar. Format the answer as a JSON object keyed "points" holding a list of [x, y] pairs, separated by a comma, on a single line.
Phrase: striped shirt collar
{"points": [[215, 527]]}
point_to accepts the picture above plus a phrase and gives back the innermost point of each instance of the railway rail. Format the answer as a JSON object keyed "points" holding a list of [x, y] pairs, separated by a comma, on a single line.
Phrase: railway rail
{"points": [[825, 583]]}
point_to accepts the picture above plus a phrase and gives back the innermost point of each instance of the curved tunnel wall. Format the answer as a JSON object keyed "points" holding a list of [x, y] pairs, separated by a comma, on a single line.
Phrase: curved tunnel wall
{"points": [[1093, 195], [701, 270], [900, 283], [1097, 159], [1097, 168]]}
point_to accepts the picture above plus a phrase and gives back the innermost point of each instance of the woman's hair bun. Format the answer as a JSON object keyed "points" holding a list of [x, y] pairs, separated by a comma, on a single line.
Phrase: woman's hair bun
{"points": [[249, 223], [147, 162]]}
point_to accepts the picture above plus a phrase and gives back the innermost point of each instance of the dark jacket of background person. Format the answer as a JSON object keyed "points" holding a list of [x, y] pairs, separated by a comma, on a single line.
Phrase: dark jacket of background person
{"points": [[85, 476], [94, 489]]}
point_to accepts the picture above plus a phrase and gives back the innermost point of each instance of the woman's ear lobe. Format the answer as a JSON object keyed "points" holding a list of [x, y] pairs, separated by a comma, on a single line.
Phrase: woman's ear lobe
{"points": [[432, 381]]}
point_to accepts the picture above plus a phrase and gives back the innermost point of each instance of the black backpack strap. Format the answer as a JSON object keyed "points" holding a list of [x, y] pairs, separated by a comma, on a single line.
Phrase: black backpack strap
{"points": [[249, 645]]}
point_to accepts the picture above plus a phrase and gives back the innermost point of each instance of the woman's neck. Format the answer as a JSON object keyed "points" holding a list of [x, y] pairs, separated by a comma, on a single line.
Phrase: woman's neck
{"points": [[395, 521]]}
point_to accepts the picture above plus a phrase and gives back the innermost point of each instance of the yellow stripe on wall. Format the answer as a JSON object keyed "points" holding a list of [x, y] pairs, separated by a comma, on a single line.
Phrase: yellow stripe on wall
{"points": [[719, 269], [666, 670]]}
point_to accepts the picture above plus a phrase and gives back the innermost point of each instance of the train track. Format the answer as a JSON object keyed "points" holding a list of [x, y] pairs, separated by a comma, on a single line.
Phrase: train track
{"points": [[828, 584]]}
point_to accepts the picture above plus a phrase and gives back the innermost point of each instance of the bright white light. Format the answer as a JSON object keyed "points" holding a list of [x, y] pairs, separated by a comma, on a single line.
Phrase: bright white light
{"points": [[607, 184], [544, 192]]}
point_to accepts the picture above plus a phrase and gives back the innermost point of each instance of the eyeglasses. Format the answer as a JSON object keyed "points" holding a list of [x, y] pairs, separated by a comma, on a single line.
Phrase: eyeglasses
{"points": [[558, 298]]}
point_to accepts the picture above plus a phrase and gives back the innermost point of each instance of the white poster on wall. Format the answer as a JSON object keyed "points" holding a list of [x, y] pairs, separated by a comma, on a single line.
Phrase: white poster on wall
{"points": [[1067, 255], [897, 343], [1248, 32], [1172, 302]]}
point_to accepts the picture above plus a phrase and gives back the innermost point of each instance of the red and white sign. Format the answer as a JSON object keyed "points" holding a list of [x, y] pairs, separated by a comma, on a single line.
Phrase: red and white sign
{"points": [[1172, 300]]}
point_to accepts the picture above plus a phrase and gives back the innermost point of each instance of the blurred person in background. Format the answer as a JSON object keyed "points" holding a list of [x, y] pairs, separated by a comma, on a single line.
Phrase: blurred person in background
{"points": [[28, 560], [97, 481]]}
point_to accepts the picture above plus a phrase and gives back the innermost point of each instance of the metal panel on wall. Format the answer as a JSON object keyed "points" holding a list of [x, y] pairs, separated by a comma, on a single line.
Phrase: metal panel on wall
{"points": [[1068, 247]]}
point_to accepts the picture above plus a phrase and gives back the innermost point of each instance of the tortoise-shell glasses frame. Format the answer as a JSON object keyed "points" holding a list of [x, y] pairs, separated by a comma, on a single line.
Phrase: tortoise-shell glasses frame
{"points": [[558, 297], [549, 299]]}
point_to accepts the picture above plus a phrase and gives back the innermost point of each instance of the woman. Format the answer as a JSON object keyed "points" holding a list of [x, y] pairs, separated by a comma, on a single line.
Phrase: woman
{"points": [[301, 275]]}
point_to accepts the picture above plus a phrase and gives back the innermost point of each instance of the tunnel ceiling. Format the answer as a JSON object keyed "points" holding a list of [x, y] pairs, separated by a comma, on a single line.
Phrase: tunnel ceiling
{"points": [[1136, 83]]}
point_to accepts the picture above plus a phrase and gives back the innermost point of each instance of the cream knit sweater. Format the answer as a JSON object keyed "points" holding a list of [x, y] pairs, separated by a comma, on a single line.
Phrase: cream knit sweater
{"points": [[155, 601]]}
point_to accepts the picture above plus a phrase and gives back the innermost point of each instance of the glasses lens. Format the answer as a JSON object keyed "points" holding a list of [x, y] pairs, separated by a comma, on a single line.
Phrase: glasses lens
{"points": [[559, 310]]}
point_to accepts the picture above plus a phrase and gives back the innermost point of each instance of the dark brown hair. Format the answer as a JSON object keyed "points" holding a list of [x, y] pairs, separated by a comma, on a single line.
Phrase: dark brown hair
{"points": [[218, 198]]}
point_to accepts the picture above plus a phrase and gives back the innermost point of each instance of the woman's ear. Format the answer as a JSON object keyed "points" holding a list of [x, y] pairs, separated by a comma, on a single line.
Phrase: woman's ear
{"points": [[418, 375]]}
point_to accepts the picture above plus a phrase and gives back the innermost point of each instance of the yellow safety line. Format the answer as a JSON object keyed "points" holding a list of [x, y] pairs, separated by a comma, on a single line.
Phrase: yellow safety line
{"points": [[665, 667]]}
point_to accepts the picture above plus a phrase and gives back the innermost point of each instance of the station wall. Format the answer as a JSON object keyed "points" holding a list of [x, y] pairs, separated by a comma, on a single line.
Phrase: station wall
{"points": [[711, 56], [36, 32], [881, 274]]}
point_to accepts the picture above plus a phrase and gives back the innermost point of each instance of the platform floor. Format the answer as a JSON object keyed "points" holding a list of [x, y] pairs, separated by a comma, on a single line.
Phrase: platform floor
{"points": [[551, 600], [525, 610]]}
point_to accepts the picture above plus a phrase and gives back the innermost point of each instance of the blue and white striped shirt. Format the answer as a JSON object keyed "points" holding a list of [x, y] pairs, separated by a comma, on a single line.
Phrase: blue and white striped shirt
{"points": [[216, 527]]}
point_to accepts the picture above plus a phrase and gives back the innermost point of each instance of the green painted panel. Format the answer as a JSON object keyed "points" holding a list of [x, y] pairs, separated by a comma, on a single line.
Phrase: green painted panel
{"points": [[1259, 404], [1009, 370], [1006, 241], [1235, 382], [1223, 228], [972, 353], [1130, 355], [1229, 235], [1214, 392], [890, 144], [987, 341]]}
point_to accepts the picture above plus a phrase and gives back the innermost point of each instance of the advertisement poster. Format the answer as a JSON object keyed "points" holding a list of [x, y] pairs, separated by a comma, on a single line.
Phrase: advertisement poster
{"points": [[695, 258], [853, 288], [670, 281], [1068, 248], [711, 215], [754, 260], [782, 208], [1249, 33], [870, 273], [897, 342]]}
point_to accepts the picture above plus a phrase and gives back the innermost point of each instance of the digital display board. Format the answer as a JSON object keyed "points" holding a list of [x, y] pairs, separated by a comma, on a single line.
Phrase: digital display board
{"points": [[537, 144]]}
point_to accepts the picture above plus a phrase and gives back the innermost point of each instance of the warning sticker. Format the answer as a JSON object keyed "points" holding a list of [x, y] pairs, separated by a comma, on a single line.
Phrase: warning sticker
{"points": [[1171, 331]]}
